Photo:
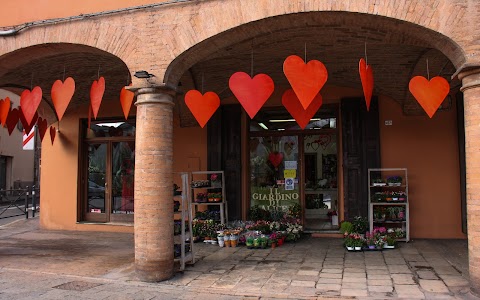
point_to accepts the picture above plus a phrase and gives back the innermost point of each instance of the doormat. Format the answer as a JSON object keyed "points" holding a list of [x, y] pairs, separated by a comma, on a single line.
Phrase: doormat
{"points": [[77, 286]]}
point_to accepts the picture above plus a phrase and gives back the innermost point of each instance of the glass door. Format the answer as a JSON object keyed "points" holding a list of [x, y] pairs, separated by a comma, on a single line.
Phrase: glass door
{"points": [[97, 182], [123, 167], [274, 176]]}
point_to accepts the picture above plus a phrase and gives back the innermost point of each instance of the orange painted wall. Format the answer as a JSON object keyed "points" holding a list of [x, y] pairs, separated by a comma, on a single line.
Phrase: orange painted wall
{"points": [[59, 169], [428, 148], [22, 11]]}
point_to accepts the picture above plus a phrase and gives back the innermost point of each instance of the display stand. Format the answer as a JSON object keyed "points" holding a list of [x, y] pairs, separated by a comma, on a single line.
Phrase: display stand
{"points": [[213, 190], [184, 215], [388, 201]]}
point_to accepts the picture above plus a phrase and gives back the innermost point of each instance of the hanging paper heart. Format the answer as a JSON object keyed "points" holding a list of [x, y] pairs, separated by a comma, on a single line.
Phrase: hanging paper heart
{"points": [[96, 94], [252, 93], [62, 93], [126, 100], [202, 106], [366, 76], [42, 127], [53, 132], [430, 94], [29, 102], [294, 107], [4, 110], [306, 79], [27, 127], [12, 120], [315, 146], [275, 158]]}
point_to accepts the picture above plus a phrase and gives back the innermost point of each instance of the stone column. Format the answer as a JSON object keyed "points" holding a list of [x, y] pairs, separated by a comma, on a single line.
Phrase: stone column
{"points": [[154, 183], [471, 95]]}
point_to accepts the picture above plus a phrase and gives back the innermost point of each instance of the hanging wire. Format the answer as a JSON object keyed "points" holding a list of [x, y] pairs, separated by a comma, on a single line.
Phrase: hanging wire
{"points": [[366, 59], [202, 81], [64, 73], [251, 65], [428, 72], [305, 52], [31, 83]]}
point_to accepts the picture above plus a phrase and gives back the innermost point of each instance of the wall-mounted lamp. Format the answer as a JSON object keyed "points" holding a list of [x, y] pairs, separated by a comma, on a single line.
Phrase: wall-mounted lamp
{"points": [[143, 74]]}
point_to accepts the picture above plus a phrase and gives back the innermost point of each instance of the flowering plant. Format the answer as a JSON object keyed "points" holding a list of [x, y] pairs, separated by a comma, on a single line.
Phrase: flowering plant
{"points": [[394, 179], [332, 213], [214, 177]]}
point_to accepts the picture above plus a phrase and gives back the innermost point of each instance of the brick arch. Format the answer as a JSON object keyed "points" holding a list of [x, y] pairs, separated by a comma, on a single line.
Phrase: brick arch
{"points": [[416, 30], [41, 65]]}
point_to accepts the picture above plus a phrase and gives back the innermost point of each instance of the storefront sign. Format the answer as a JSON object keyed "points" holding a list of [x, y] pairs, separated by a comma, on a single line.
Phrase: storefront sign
{"points": [[289, 185], [289, 174], [291, 165], [275, 198]]}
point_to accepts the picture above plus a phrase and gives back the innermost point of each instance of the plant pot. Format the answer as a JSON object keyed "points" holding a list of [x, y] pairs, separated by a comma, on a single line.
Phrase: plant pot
{"points": [[334, 220], [233, 243], [221, 243], [358, 248], [274, 245], [350, 248], [371, 247]]}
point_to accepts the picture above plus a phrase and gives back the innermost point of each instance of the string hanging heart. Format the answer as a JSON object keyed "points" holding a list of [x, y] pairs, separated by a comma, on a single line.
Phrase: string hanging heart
{"points": [[27, 127], [12, 120], [202, 106], [306, 79], [96, 94], [29, 102], [62, 93], [252, 93], [4, 110], [53, 132], [42, 127], [126, 100], [366, 77], [275, 158], [295, 108], [429, 94]]}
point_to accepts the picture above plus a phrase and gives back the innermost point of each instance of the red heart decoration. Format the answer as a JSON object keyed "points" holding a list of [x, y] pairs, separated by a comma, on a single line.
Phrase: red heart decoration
{"points": [[42, 127], [12, 120], [96, 94], [126, 100], [4, 110], [202, 106], [53, 132], [62, 93], [294, 107], [29, 102], [275, 158], [430, 94], [27, 127], [366, 76], [306, 79], [324, 140], [252, 93]]}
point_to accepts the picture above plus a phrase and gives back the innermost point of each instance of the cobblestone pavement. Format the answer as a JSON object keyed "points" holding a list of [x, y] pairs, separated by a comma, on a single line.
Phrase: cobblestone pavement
{"points": [[39, 264]]}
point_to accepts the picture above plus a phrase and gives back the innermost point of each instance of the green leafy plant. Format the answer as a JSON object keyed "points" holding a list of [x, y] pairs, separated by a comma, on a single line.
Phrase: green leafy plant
{"points": [[346, 227], [360, 224]]}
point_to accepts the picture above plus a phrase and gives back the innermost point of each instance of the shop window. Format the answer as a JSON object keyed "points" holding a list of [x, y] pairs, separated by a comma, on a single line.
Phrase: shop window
{"points": [[3, 172]]}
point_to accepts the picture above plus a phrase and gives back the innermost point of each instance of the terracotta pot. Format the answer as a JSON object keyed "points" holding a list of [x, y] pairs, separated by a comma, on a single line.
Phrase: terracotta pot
{"points": [[274, 245]]}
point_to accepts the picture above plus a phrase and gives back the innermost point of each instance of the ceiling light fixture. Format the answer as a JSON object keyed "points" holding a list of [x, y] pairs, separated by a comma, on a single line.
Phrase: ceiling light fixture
{"points": [[263, 126], [143, 74], [289, 120]]}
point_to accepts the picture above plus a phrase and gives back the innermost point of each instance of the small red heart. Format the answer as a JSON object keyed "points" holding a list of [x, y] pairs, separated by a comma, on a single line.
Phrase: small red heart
{"points": [[27, 127], [62, 93], [42, 127], [202, 106], [324, 140], [275, 158], [4, 110], [306, 79], [126, 100], [366, 76], [295, 108], [252, 93], [96, 95], [52, 133], [29, 102], [12, 120], [429, 94]]}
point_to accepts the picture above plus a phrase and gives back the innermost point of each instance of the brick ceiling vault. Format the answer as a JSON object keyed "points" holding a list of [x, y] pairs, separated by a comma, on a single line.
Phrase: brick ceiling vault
{"points": [[396, 50]]}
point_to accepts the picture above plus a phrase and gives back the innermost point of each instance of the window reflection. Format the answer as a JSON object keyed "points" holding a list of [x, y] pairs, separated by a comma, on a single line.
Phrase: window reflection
{"points": [[96, 177], [123, 167]]}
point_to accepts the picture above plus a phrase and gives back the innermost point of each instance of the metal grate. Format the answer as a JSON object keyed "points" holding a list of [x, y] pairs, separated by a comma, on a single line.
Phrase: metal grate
{"points": [[77, 286]]}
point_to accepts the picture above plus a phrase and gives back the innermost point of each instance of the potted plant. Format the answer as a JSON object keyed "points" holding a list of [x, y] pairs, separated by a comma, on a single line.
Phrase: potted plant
{"points": [[358, 241], [332, 215], [394, 180], [215, 181], [249, 242], [349, 242], [273, 240], [370, 240], [389, 242], [378, 182]]}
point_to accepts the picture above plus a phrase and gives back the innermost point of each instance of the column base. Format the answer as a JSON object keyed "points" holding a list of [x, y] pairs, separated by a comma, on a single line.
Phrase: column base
{"points": [[154, 271]]}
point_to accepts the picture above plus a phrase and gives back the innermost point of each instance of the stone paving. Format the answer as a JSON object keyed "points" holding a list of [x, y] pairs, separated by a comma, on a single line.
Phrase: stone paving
{"points": [[39, 264]]}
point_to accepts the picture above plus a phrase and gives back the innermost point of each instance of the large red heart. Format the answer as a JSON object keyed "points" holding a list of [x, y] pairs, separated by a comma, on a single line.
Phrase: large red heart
{"points": [[96, 95], [53, 132], [306, 79], [27, 127], [252, 93], [62, 93], [294, 107], [126, 100], [366, 76], [29, 102], [12, 120], [202, 106], [42, 127], [4, 110], [430, 94], [275, 158]]}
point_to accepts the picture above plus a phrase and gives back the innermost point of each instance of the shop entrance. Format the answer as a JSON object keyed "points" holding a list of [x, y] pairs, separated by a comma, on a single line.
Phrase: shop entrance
{"points": [[294, 167]]}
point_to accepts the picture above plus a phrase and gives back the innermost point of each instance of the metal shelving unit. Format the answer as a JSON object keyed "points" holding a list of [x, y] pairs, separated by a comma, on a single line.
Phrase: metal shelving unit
{"points": [[383, 173], [205, 175], [184, 215]]}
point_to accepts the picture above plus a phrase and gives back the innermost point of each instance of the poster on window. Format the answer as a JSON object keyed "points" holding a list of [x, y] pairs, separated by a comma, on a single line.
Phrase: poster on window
{"points": [[289, 184]]}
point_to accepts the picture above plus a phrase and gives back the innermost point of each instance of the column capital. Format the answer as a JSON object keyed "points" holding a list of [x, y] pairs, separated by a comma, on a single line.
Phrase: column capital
{"points": [[470, 77], [154, 93]]}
